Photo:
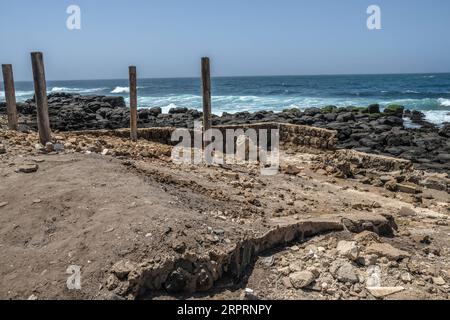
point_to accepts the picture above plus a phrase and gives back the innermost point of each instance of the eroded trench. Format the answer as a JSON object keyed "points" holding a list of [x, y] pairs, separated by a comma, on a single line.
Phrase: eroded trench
{"points": [[200, 272]]}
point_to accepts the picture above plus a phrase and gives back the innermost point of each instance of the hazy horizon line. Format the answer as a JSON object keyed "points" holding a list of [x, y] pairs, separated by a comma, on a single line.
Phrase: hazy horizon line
{"points": [[251, 76]]}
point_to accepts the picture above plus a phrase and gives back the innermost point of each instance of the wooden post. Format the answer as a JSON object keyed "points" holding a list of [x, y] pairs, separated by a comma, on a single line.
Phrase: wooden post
{"points": [[133, 102], [10, 95], [40, 90], [206, 87]]}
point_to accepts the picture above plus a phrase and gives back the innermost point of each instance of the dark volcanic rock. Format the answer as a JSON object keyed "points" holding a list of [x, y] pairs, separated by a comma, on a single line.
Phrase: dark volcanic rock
{"points": [[373, 108], [364, 129], [445, 130], [178, 110]]}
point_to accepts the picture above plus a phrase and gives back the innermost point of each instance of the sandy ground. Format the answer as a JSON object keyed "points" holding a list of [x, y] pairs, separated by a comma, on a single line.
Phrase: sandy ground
{"points": [[94, 211]]}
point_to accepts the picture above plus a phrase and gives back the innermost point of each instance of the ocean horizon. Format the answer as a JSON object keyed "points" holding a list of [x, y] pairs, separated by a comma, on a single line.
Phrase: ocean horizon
{"points": [[429, 92]]}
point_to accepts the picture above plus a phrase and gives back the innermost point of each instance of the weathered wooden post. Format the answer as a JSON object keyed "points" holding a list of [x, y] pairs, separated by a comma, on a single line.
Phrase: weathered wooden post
{"points": [[206, 87], [40, 90], [10, 96], [133, 103]]}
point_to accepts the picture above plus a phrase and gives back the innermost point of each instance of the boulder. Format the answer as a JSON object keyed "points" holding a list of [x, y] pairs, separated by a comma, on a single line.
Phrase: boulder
{"points": [[417, 116], [366, 237], [178, 110], [345, 117], [394, 109], [302, 279], [388, 251], [28, 168], [445, 130], [406, 212], [348, 249], [155, 111], [346, 273], [373, 108], [115, 102]]}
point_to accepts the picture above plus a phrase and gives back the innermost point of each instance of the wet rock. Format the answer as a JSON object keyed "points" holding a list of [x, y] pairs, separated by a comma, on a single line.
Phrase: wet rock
{"points": [[178, 110], [394, 109], [373, 108], [155, 111], [417, 116], [445, 130]]}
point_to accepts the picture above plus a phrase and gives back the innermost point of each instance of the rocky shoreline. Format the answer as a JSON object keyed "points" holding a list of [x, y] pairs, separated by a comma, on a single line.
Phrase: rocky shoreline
{"points": [[366, 129]]}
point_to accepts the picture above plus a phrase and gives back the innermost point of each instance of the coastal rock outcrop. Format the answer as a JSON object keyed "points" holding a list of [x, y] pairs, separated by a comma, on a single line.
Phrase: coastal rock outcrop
{"points": [[366, 129]]}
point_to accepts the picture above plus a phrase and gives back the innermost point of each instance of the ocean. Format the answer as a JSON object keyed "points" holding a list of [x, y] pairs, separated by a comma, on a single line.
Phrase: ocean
{"points": [[429, 93]]}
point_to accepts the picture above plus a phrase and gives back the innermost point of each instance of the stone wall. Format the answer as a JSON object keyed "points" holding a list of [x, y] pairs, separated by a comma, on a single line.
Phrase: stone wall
{"points": [[292, 137]]}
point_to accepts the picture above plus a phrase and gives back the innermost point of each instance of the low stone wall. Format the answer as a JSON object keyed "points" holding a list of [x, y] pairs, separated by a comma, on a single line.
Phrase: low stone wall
{"points": [[295, 136], [161, 135], [378, 162], [291, 136]]}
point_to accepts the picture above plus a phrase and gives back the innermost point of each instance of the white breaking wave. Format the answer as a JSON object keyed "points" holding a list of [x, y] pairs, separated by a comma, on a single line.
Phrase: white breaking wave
{"points": [[411, 91], [76, 90], [124, 89], [121, 90], [444, 102], [19, 94], [437, 117]]}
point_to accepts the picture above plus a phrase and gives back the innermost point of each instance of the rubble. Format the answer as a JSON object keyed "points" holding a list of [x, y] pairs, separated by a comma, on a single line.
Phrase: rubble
{"points": [[330, 232]]}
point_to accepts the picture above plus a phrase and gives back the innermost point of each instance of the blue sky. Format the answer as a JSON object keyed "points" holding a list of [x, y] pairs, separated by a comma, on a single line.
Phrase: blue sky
{"points": [[167, 38]]}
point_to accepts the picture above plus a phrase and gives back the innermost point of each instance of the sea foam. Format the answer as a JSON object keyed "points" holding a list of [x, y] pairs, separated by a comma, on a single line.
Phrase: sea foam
{"points": [[444, 102], [76, 90], [19, 94], [121, 90]]}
